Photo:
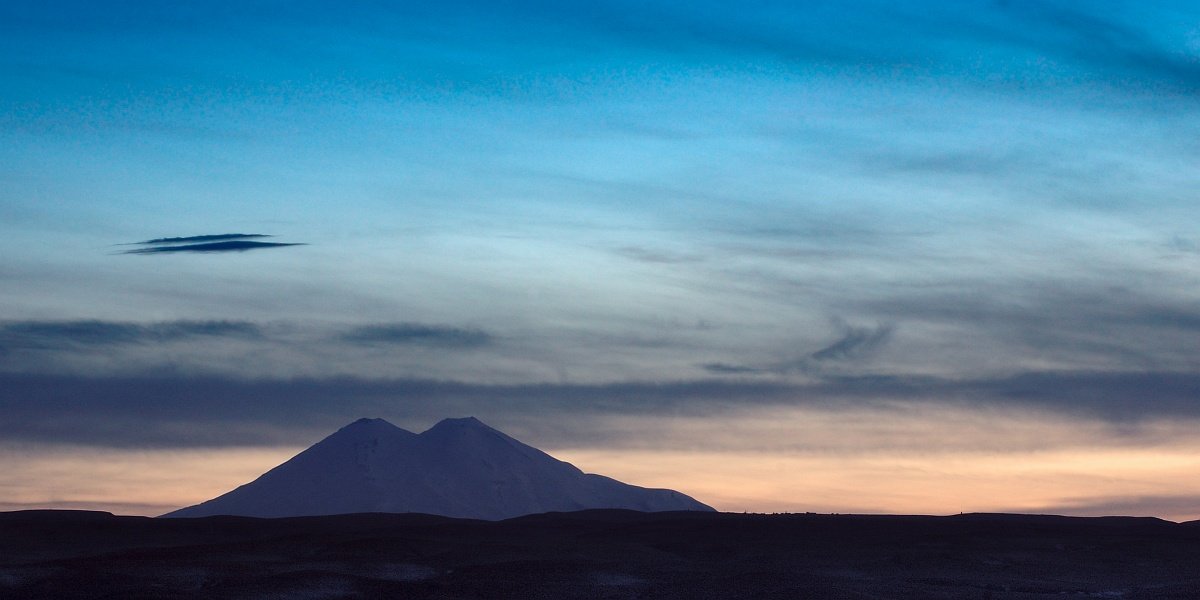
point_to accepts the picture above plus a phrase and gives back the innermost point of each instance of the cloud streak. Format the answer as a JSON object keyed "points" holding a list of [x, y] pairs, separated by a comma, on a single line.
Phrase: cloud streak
{"points": [[42, 335], [975, 41], [1107, 46], [383, 334], [247, 349], [171, 410], [856, 342], [195, 239], [212, 247]]}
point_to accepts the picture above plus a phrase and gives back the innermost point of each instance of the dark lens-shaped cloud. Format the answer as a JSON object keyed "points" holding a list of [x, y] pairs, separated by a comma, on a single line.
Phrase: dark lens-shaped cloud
{"points": [[197, 239], [233, 246], [35, 335], [417, 334]]}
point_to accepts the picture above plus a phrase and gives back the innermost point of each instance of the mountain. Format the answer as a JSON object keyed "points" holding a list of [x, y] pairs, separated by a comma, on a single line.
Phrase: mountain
{"points": [[458, 468]]}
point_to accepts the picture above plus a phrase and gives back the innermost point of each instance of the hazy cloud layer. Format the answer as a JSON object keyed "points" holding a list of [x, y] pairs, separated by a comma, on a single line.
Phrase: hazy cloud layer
{"points": [[173, 410]]}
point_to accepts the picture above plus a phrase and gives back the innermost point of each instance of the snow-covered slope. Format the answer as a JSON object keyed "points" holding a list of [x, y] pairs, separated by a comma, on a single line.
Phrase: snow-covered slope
{"points": [[458, 468]]}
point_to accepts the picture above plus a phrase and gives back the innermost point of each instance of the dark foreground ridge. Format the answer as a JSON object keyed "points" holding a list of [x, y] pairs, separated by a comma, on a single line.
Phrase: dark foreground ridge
{"points": [[597, 554]]}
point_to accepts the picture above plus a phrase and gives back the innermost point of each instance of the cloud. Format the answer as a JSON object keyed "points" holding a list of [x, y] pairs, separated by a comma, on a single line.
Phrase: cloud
{"points": [[417, 334], [41, 335], [988, 42], [1183, 245], [648, 255], [242, 348], [720, 368], [855, 342], [171, 410], [987, 162], [1128, 320], [204, 238], [1110, 47], [233, 246], [1116, 395]]}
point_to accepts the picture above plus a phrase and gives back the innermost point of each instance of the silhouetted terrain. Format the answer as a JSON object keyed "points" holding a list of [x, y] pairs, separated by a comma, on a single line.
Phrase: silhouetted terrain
{"points": [[597, 554], [457, 468]]}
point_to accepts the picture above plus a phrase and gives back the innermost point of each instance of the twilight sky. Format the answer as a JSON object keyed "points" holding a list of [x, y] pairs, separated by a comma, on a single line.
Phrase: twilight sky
{"points": [[832, 256]]}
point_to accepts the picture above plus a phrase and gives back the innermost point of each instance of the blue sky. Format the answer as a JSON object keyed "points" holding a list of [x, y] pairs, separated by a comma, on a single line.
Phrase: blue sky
{"points": [[652, 208]]}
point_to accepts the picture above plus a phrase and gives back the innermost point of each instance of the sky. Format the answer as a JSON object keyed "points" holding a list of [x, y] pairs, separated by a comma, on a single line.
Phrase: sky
{"points": [[852, 256]]}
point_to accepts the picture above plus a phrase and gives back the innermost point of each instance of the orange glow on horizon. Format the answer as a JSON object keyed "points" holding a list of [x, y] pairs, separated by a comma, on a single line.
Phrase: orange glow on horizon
{"points": [[771, 460], [1066, 482]]}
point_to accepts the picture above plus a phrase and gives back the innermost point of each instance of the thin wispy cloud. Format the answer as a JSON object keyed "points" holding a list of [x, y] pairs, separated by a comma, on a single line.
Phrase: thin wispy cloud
{"points": [[417, 334], [974, 41], [69, 334], [656, 256], [73, 338], [720, 368], [1183, 245], [1107, 46], [856, 342]]}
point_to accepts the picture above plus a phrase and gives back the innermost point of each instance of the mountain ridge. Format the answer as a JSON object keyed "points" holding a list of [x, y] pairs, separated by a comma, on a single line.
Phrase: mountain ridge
{"points": [[459, 467]]}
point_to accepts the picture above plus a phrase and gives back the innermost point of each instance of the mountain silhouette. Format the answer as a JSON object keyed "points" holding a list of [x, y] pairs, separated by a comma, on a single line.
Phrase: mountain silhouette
{"points": [[458, 468]]}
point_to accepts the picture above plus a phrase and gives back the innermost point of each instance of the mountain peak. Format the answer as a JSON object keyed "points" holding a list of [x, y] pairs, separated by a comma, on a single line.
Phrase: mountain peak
{"points": [[461, 423], [366, 423], [370, 428], [466, 432], [369, 421]]}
